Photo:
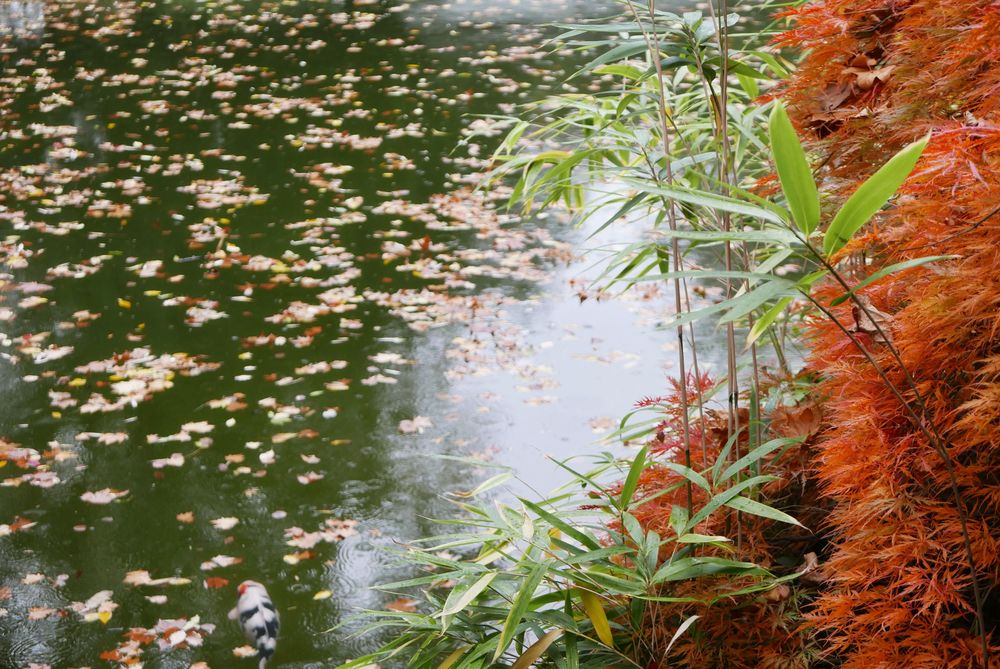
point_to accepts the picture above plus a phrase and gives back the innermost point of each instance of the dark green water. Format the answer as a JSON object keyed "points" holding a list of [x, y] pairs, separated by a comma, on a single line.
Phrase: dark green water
{"points": [[239, 247]]}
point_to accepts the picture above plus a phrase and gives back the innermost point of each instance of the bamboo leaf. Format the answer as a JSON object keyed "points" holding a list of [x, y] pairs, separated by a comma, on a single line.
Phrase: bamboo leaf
{"points": [[696, 567], [574, 532], [702, 539], [886, 271], [707, 199], [742, 305], [632, 480], [465, 598], [723, 498], [747, 505], [620, 52], [793, 171], [871, 196], [599, 619], [620, 70], [570, 650], [452, 658], [680, 630], [690, 474], [536, 649], [488, 484], [761, 325], [755, 455], [723, 456], [518, 607]]}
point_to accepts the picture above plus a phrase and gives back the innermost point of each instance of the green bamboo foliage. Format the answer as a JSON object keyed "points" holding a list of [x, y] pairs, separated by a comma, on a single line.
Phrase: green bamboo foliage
{"points": [[545, 581]]}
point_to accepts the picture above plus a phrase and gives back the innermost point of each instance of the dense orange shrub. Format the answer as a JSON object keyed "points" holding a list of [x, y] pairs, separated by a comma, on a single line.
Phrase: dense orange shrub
{"points": [[878, 74]]}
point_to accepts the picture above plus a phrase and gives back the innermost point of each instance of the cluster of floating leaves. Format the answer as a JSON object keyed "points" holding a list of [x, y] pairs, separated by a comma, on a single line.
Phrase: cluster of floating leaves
{"points": [[210, 177]]}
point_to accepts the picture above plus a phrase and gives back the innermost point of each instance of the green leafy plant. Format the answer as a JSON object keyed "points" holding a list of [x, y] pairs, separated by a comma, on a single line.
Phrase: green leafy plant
{"points": [[547, 581]]}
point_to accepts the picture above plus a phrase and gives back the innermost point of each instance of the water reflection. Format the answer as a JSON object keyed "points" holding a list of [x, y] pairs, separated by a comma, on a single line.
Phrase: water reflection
{"points": [[22, 18]]}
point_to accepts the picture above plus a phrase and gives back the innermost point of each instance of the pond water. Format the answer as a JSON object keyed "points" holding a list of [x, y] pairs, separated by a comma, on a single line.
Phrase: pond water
{"points": [[248, 292]]}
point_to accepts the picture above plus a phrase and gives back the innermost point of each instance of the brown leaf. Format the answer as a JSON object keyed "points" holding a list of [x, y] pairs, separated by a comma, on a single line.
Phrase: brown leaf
{"points": [[402, 604], [810, 570], [870, 320], [779, 593], [862, 61], [800, 421], [865, 79]]}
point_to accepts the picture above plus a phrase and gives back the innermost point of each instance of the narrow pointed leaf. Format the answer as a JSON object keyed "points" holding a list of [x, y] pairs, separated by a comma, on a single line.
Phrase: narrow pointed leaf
{"points": [[871, 196], [535, 650], [632, 480], [680, 630], [747, 505], [886, 271], [741, 305], [724, 497], [761, 325], [592, 605], [696, 567], [518, 607], [690, 474], [578, 534], [452, 658], [755, 455], [793, 171], [488, 484], [465, 598], [702, 539]]}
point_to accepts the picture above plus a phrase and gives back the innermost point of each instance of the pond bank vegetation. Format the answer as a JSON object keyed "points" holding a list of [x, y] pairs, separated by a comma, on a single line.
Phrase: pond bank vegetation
{"points": [[829, 497]]}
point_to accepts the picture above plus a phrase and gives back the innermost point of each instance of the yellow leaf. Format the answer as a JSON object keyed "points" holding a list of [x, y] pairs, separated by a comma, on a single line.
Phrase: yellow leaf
{"points": [[536, 649], [124, 304], [452, 659], [323, 594], [77, 382], [592, 605], [104, 617]]}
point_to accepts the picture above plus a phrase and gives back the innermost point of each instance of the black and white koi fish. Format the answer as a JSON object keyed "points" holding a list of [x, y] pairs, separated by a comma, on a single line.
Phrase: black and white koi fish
{"points": [[258, 618]]}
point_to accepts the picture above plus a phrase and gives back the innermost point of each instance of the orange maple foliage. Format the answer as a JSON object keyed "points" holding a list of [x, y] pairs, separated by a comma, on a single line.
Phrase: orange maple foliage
{"points": [[879, 74]]}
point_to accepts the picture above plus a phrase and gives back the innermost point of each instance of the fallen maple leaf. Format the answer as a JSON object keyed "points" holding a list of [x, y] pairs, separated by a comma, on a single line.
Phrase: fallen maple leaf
{"points": [[415, 425], [226, 523], [402, 604], [105, 496]]}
